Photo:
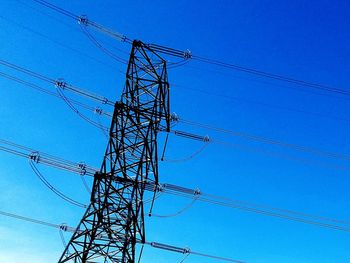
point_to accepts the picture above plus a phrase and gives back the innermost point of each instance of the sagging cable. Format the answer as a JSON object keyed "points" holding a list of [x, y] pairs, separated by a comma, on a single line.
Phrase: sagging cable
{"points": [[177, 213], [84, 21], [100, 46], [60, 83], [74, 109], [35, 158], [66, 228], [188, 158]]}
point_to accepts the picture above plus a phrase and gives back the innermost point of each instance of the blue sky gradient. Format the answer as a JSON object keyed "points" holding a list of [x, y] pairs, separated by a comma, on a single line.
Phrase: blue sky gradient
{"points": [[307, 40]]}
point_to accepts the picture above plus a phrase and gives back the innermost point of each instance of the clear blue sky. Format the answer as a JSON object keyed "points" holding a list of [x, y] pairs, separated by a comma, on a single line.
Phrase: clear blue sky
{"points": [[308, 40]]}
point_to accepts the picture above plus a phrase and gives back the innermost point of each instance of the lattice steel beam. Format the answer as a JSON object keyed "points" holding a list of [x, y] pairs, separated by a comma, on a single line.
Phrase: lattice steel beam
{"points": [[114, 221]]}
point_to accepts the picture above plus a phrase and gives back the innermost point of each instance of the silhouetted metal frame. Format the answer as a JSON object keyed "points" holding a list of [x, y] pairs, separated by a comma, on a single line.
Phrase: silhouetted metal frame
{"points": [[114, 221]]}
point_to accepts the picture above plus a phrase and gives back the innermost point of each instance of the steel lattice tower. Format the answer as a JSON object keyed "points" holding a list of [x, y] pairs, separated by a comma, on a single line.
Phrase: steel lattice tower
{"points": [[114, 221]]}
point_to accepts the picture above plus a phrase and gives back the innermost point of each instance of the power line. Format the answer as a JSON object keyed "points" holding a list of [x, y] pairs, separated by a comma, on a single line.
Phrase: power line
{"points": [[101, 47], [71, 28], [80, 53], [263, 104], [51, 187], [171, 51], [58, 83], [74, 109], [183, 62], [175, 190], [272, 76], [57, 9], [69, 14], [275, 214], [104, 100], [53, 161], [28, 219], [181, 211], [266, 140], [111, 33], [65, 228], [54, 94], [263, 212], [97, 42], [291, 157], [26, 4], [126, 198], [187, 158], [27, 71], [224, 201], [240, 134]]}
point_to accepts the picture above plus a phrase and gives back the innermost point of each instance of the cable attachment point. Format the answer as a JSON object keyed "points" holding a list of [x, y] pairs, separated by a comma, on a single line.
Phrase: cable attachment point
{"points": [[123, 39], [186, 250], [83, 20], [63, 227], [105, 100], [82, 168], [174, 117], [98, 111], [158, 188], [35, 157], [206, 138], [197, 191], [187, 54], [60, 83]]}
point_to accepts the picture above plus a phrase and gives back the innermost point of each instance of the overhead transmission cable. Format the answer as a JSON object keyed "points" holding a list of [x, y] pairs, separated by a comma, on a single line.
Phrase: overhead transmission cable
{"points": [[183, 210], [53, 189], [65, 228], [219, 200], [32, 220], [62, 85], [267, 140], [74, 109], [175, 52], [97, 110], [27, 71], [83, 27], [242, 147], [103, 100], [169, 51], [82, 168], [282, 155], [36, 157], [58, 83], [235, 98], [100, 46], [96, 26], [111, 33], [75, 167], [272, 76], [68, 25], [187, 158], [243, 100], [58, 43]]}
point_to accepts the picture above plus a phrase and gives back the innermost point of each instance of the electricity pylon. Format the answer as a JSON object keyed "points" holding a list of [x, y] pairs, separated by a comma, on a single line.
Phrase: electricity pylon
{"points": [[114, 221]]}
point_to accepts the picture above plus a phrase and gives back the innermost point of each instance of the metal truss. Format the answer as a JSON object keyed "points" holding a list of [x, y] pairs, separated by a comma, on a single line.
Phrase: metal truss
{"points": [[114, 221]]}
